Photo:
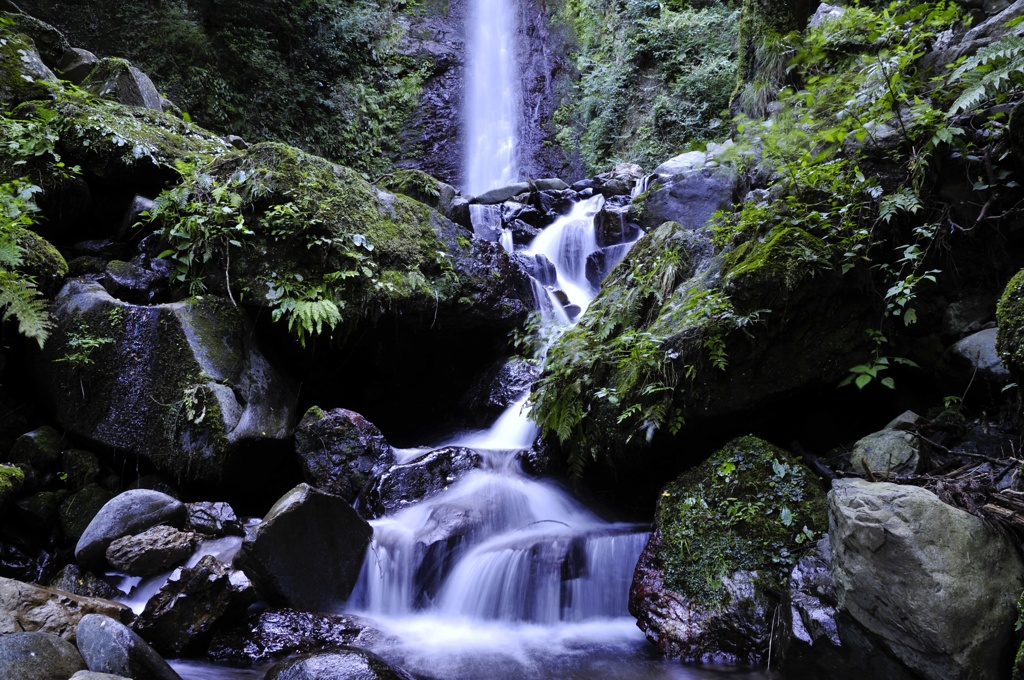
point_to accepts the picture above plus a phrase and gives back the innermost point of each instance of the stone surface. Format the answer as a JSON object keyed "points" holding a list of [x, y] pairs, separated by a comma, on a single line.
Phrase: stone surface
{"points": [[934, 585], [118, 80], [427, 476], [182, 385], [73, 579], [80, 508], [340, 451], [110, 647], [499, 387], [973, 366], [687, 193], [152, 551], [270, 634], [76, 64], [38, 656], [213, 519], [344, 663], [885, 453], [128, 513], [39, 448], [187, 606], [307, 551], [33, 608]]}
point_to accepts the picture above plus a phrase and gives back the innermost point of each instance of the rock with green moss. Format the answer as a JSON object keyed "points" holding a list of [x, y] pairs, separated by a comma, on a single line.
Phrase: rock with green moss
{"points": [[422, 187], [50, 42], [39, 448], [326, 250], [684, 333], [726, 535], [1010, 322], [41, 260], [80, 507], [11, 479], [23, 75], [182, 385], [117, 79]]}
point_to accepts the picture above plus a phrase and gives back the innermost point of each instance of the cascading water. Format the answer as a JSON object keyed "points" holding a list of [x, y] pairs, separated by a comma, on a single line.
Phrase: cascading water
{"points": [[492, 99]]}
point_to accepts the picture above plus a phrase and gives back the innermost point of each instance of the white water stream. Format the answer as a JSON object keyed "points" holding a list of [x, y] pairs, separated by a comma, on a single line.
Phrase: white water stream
{"points": [[492, 97]]}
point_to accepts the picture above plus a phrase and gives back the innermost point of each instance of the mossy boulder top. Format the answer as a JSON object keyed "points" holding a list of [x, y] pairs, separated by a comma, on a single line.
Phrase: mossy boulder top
{"points": [[314, 230]]}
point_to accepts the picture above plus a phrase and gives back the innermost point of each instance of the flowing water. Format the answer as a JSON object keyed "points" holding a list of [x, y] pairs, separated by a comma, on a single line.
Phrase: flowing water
{"points": [[492, 97]]}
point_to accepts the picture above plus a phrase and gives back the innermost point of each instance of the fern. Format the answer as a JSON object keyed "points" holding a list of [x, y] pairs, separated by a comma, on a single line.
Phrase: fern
{"points": [[20, 299], [309, 317], [988, 72]]}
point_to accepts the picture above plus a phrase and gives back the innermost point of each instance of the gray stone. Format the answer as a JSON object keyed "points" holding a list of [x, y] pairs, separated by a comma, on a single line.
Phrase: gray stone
{"points": [[126, 514], [38, 656], [340, 451], [153, 551], [110, 647], [73, 579], [689, 196], [77, 64], [182, 385], [33, 608], [973, 364], [502, 194], [553, 184], [825, 12], [683, 164], [934, 585], [427, 476], [92, 675], [213, 519], [80, 508], [117, 79], [967, 315], [307, 552], [344, 663], [26, 77], [908, 420], [888, 452]]}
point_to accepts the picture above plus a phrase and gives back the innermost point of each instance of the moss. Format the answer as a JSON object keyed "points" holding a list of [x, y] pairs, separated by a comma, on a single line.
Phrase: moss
{"points": [[748, 507], [23, 77], [78, 510], [11, 481], [415, 184], [759, 274], [1018, 664], [41, 260], [50, 42], [1010, 324]]}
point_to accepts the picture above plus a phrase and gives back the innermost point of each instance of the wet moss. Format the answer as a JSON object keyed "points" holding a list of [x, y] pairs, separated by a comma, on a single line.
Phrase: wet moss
{"points": [[750, 507], [415, 184], [761, 274], [41, 260], [11, 480], [1010, 323], [23, 77]]}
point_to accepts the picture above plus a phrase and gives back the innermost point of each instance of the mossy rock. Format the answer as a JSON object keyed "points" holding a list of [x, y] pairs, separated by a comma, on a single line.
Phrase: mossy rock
{"points": [[727, 534], [39, 448], [130, 145], [762, 274], [41, 260], [1010, 322], [117, 79], [23, 75], [50, 42], [80, 507], [11, 480], [420, 186]]}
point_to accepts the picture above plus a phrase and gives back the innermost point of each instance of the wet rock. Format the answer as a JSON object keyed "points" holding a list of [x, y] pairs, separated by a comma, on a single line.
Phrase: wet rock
{"points": [[274, 633], [29, 607], [110, 647], [131, 282], [502, 194], [906, 567], [555, 203], [80, 508], [38, 656], [307, 552], [543, 270], [967, 315], [974, 363], [73, 579], [423, 478], [343, 663], [499, 387], [188, 605], [11, 480], [90, 675], [601, 262], [182, 385], [153, 551], [824, 13], [717, 601], [40, 511], [686, 192], [339, 451], [23, 75], [886, 453], [126, 514], [81, 467], [212, 519], [39, 448], [77, 64], [118, 80]]}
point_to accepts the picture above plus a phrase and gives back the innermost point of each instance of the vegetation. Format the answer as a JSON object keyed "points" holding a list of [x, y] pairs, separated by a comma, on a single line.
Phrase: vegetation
{"points": [[323, 75], [655, 79]]}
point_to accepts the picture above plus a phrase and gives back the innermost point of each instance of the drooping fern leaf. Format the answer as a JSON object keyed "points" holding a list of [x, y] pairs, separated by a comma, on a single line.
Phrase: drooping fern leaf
{"points": [[988, 72], [20, 299], [308, 317]]}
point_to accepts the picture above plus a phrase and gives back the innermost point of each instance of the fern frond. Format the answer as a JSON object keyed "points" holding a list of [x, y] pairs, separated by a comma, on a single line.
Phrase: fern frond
{"points": [[308, 317], [988, 72], [20, 299], [10, 252]]}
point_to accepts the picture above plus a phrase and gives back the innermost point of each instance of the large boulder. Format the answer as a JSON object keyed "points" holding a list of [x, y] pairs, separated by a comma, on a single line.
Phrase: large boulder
{"points": [[270, 634], [118, 80], [724, 540], [38, 656], [307, 552], [73, 579], [340, 451], [33, 608], [126, 514], [23, 75], [343, 663], [1010, 324], [110, 647], [182, 385], [934, 585], [686, 190]]}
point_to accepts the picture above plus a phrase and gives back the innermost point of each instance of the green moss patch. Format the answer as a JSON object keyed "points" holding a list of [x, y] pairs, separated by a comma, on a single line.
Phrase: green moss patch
{"points": [[748, 507], [1010, 321]]}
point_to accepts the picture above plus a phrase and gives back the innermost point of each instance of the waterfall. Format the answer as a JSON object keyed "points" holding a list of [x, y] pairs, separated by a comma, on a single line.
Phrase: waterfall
{"points": [[492, 97]]}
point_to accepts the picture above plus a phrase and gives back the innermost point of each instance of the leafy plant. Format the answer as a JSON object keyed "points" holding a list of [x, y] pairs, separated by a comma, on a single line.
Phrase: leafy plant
{"points": [[19, 297]]}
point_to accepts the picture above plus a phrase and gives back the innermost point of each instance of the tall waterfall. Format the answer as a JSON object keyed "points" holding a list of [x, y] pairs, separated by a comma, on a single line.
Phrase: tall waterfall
{"points": [[492, 97]]}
